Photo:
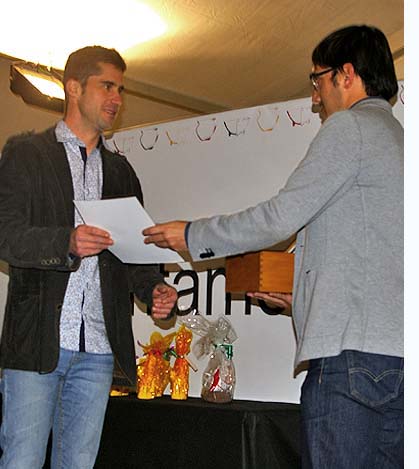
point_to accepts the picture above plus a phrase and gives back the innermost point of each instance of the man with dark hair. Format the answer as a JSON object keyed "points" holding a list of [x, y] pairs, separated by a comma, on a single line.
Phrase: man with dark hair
{"points": [[345, 201], [367, 49], [83, 63], [68, 315]]}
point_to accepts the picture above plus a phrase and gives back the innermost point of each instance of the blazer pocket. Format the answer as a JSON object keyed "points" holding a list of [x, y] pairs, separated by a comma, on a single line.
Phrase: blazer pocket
{"points": [[325, 301], [21, 324]]}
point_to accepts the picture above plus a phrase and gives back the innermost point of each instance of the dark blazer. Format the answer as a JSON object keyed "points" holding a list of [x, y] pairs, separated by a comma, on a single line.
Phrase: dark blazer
{"points": [[36, 219]]}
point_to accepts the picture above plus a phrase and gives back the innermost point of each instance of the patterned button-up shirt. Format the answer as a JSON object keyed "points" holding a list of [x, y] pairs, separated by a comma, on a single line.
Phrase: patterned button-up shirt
{"points": [[82, 325]]}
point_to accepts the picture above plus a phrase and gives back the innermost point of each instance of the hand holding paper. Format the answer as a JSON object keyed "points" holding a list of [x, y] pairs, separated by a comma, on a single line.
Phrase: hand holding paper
{"points": [[88, 240], [167, 235], [125, 219]]}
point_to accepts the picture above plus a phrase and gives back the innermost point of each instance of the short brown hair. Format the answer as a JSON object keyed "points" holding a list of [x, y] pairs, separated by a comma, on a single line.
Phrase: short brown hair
{"points": [[83, 63]]}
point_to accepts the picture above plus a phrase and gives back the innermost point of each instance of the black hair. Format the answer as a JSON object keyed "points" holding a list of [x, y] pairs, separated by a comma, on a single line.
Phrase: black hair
{"points": [[85, 62], [367, 49]]}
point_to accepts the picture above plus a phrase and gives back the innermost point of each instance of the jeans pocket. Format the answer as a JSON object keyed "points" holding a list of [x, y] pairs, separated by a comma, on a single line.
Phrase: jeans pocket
{"points": [[374, 379]]}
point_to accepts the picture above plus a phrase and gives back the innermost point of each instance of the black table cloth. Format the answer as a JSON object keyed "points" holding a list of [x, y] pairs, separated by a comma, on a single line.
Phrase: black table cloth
{"points": [[163, 433]]}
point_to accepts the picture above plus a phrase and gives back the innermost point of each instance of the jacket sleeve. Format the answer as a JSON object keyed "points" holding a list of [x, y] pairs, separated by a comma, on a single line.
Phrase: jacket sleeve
{"points": [[24, 240], [326, 172], [143, 280]]}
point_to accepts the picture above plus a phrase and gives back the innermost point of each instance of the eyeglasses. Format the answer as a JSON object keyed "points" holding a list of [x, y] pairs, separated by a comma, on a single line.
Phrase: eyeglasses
{"points": [[314, 77]]}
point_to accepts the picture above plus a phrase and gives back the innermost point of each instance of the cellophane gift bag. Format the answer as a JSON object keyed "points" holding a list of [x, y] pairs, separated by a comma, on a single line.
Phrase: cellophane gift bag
{"points": [[179, 374], [154, 367], [216, 339]]}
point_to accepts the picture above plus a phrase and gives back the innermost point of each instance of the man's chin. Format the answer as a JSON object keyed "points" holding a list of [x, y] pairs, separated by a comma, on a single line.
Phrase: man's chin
{"points": [[108, 119], [318, 109], [107, 124]]}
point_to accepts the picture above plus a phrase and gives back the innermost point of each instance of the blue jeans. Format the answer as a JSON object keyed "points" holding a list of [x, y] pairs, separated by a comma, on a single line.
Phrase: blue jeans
{"points": [[352, 412], [71, 400]]}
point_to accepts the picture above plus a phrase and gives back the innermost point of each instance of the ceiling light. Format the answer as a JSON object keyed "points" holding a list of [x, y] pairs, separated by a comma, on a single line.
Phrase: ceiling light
{"points": [[120, 25], [37, 85], [46, 80]]}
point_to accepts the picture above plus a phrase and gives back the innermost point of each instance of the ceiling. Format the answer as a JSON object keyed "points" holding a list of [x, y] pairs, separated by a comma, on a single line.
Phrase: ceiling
{"points": [[219, 55], [229, 54]]}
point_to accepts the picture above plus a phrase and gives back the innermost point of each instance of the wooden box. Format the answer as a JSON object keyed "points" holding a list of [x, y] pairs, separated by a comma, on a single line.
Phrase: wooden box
{"points": [[264, 271]]}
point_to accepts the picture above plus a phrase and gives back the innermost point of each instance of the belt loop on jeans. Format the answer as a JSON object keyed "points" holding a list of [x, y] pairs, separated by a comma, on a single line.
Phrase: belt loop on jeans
{"points": [[321, 370]]}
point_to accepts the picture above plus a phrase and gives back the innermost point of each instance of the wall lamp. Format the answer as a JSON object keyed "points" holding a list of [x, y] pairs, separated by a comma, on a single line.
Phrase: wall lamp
{"points": [[38, 85]]}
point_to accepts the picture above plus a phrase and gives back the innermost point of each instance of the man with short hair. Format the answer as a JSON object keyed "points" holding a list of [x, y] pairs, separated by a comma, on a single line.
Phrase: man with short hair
{"points": [[68, 315], [345, 201]]}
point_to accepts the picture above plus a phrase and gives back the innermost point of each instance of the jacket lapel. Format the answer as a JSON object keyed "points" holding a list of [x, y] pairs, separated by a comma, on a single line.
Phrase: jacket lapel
{"points": [[57, 159], [108, 178]]}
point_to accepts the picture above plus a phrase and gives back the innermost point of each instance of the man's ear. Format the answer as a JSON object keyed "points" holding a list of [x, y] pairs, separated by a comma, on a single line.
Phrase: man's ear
{"points": [[349, 74], [73, 88]]}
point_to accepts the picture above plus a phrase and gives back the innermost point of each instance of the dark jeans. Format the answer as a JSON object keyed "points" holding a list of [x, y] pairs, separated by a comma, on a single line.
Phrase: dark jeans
{"points": [[352, 412]]}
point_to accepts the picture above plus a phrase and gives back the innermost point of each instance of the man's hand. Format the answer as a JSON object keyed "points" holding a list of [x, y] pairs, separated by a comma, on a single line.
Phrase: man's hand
{"points": [[167, 235], [164, 299], [88, 240], [281, 300]]}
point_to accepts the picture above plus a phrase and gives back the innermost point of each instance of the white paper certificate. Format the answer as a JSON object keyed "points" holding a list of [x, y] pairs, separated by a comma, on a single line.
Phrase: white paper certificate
{"points": [[125, 218]]}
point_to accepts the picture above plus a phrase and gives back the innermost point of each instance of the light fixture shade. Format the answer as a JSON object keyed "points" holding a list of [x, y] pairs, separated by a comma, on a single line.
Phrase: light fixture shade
{"points": [[25, 79]]}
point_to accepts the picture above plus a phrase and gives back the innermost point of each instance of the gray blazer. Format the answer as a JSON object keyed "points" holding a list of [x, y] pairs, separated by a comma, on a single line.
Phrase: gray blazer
{"points": [[345, 200]]}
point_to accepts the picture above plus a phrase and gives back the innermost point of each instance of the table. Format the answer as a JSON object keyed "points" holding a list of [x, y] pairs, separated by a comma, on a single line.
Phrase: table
{"points": [[194, 434]]}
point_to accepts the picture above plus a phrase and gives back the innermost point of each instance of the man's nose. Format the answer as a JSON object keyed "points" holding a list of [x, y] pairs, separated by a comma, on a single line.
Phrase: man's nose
{"points": [[117, 97], [315, 96]]}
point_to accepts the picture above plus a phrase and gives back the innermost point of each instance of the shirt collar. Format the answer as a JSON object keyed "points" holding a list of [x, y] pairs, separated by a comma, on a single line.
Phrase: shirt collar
{"points": [[65, 135], [367, 98]]}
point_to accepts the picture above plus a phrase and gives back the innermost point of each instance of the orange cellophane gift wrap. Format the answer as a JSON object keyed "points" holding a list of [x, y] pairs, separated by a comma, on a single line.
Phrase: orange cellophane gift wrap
{"points": [[153, 369], [179, 374]]}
